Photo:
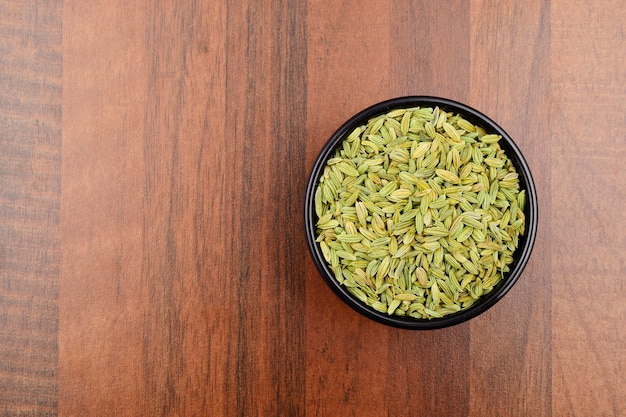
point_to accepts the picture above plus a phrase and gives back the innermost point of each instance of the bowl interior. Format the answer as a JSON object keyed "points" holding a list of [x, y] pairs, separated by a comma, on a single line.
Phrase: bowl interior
{"points": [[526, 241]]}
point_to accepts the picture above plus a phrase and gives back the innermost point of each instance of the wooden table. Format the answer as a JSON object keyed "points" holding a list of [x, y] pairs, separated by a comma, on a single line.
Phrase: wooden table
{"points": [[153, 160]]}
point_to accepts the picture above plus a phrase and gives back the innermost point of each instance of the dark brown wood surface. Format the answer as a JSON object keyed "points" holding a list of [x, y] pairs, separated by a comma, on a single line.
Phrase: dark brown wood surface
{"points": [[153, 159]]}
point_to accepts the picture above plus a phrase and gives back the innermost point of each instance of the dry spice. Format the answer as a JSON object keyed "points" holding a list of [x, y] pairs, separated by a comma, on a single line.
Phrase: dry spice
{"points": [[419, 213]]}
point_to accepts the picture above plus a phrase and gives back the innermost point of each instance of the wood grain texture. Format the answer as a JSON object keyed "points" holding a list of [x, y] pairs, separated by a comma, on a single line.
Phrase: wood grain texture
{"points": [[187, 299], [427, 69], [347, 355], [359, 368], [101, 302], [153, 160], [265, 109], [589, 262], [510, 74], [30, 186]]}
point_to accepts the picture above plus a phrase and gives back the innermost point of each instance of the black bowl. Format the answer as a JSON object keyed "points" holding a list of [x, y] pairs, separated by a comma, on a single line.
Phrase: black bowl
{"points": [[521, 255]]}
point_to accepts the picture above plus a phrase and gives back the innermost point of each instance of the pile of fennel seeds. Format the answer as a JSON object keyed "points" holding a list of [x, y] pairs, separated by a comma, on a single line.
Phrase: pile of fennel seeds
{"points": [[419, 213]]}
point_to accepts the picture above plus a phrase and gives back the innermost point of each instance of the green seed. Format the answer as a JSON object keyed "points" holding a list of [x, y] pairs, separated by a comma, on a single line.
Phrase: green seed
{"points": [[419, 213]]}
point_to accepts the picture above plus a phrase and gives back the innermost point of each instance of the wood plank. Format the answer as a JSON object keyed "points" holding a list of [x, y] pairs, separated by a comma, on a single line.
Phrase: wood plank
{"points": [[347, 63], [190, 310], [510, 348], [30, 185], [103, 370], [422, 67], [265, 113], [359, 367], [588, 188]]}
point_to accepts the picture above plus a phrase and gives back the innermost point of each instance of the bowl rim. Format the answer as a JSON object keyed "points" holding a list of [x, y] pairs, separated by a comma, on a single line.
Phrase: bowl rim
{"points": [[523, 252]]}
